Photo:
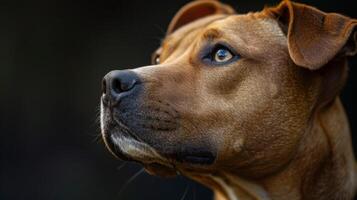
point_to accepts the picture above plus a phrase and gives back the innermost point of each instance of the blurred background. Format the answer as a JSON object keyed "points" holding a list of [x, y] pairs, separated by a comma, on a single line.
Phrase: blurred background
{"points": [[53, 55]]}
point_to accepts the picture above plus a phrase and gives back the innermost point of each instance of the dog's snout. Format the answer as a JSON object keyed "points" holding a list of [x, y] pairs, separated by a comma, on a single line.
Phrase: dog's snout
{"points": [[117, 82]]}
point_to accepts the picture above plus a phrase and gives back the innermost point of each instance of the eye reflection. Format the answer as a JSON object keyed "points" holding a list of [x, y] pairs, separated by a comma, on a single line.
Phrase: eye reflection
{"points": [[222, 55]]}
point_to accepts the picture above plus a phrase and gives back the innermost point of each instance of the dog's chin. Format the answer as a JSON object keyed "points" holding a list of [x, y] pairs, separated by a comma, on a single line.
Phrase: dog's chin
{"points": [[126, 147]]}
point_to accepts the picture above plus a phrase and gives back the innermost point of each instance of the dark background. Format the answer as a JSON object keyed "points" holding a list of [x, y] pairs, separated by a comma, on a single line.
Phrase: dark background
{"points": [[53, 55]]}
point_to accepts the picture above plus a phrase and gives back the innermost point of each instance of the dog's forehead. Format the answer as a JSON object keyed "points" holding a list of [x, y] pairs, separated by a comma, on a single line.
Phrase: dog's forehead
{"points": [[254, 32], [252, 26], [252, 29], [186, 34]]}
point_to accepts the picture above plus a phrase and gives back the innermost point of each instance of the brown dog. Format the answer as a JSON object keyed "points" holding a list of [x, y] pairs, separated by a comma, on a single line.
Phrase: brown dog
{"points": [[244, 104]]}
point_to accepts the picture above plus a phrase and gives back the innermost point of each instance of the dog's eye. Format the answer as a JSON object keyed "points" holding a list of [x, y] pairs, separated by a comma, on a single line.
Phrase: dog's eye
{"points": [[155, 59], [222, 55]]}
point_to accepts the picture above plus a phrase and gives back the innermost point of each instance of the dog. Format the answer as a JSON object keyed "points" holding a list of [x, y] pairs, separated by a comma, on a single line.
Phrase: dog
{"points": [[245, 104]]}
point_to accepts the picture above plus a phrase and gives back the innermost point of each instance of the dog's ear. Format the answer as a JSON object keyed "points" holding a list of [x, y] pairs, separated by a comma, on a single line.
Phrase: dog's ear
{"points": [[315, 37], [196, 10]]}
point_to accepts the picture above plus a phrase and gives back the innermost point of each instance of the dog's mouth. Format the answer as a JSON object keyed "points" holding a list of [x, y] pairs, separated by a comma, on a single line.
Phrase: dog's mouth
{"points": [[123, 144]]}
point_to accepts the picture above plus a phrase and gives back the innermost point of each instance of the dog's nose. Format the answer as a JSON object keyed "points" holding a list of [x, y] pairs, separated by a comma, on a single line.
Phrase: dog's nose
{"points": [[117, 82]]}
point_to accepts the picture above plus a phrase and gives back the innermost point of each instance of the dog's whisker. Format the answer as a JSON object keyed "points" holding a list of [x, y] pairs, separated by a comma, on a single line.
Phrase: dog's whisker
{"points": [[130, 180], [97, 138], [185, 193], [121, 166]]}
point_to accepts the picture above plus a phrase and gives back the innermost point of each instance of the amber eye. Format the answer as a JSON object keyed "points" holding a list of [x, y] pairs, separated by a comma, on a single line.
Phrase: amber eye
{"points": [[222, 55]]}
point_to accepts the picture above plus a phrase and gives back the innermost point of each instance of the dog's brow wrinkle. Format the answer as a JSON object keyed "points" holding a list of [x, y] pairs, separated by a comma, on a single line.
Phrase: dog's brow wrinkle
{"points": [[169, 43], [212, 34]]}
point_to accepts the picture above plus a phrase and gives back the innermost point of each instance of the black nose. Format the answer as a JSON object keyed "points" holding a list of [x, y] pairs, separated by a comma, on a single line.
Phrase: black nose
{"points": [[118, 82]]}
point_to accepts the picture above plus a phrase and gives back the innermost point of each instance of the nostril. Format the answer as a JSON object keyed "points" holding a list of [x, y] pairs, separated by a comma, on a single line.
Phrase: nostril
{"points": [[123, 84], [117, 82], [104, 86], [128, 85], [117, 86]]}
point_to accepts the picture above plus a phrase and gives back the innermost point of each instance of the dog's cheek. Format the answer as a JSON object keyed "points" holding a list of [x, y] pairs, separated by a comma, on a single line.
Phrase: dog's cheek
{"points": [[265, 149], [257, 141], [223, 81]]}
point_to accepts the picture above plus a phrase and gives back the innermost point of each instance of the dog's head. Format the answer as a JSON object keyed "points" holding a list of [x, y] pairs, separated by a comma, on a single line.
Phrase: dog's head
{"points": [[228, 92]]}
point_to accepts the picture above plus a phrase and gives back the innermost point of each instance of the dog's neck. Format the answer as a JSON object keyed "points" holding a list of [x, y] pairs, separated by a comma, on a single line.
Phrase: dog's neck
{"points": [[323, 168]]}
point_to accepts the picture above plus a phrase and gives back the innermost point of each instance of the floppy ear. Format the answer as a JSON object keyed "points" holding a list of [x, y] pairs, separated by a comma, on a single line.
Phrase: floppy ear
{"points": [[196, 10], [315, 37]]}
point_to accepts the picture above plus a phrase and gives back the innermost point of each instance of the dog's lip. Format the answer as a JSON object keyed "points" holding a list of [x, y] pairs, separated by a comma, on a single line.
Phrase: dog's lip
{"points": [[125, 145], [154, 168], [112, 148], [189, 157], [164, 165], [153, 162], [194, 158]]}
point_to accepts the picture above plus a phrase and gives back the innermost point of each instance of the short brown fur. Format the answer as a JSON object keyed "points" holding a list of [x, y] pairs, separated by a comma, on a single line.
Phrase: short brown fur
{"points": [[273, 117]]}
